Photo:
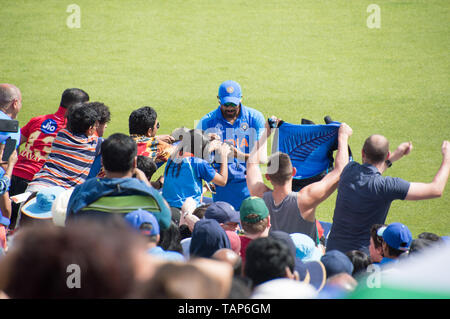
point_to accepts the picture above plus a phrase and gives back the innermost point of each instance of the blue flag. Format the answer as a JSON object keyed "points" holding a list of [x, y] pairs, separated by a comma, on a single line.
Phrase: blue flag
{"points": [[308, 146]]}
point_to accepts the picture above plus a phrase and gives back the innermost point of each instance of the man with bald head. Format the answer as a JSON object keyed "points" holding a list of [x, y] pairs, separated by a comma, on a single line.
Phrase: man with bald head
{"points": [[10, 101], [365, 196]]}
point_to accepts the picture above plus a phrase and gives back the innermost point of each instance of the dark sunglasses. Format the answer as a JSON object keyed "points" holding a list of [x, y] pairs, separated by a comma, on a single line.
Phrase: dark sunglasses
{"points": [[229, 104]]}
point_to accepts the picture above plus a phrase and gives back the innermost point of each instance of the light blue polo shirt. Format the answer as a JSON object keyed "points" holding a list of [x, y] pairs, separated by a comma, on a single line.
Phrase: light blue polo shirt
{"points": [[243, 133]]}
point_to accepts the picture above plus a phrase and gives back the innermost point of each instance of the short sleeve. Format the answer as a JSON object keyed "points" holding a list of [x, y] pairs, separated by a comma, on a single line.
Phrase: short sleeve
{"points": [[396, 188], [203, 169]]}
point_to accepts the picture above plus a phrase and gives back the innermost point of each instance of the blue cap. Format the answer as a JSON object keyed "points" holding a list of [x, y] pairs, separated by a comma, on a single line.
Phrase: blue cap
{"points": [[222, 212], [230, 91], [138, 217], [396, 235], [40, 207], [305, 248], [336, 262]]}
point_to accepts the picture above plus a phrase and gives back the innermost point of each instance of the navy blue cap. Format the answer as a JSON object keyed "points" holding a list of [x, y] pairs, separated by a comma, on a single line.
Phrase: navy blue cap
{"points": [[336, 262], [222, 212]]}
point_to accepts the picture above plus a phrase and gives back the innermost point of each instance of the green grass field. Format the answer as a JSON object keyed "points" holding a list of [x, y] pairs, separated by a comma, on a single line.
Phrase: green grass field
{"points": [[293, 59]]}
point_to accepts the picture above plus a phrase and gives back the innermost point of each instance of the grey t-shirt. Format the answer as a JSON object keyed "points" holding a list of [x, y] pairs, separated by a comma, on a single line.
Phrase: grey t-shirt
{"points": [[363, 199], [286, 216]]}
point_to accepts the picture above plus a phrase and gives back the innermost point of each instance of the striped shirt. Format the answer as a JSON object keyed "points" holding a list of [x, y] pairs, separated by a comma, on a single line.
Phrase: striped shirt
{"points": [[69, 162]]}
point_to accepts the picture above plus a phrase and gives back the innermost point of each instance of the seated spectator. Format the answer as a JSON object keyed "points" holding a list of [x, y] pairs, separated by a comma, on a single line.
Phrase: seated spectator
{"points": [[104, 117], [430, 236], [72, 154], [268, 258], [170, 238], [235, 241], [207, 238], [224, 214], [83, 260], [338, 286], [229, 256], [148, 226], [396, 240], [187, 168], [376, 244], [255, 222], [360, 262], [143, 126], [336, 262], [38, 207], [305, 248], [5, 181], [148, 166], [118, 192], [419, 245]]}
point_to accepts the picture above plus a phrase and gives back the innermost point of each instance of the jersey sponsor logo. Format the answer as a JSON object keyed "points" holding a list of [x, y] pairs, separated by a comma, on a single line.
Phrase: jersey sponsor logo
{"points": [[49, 126]]}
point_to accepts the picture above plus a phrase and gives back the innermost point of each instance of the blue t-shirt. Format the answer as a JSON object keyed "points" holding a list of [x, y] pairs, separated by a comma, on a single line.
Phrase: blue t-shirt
{"points": [[166, 254], [184, 179], [243, 133], [5, 135], [363, 199]]}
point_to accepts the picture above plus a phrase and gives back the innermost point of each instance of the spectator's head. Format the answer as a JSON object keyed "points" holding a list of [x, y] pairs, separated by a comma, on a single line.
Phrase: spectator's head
{"points": [[280, 169], [235, 241], [104, 116], [360, 261], [119, 152], [81, 260], [268, 258], [170, 238], [207, 238], [145, 223], [254, 216], [305, 248], [419, 245], [336, 262], [82, 119], [231, 257], [224, 214], [375, 149], [179, 281], [230, 97], [376, 243], [72, 97], [143, 122], [396, 239], [201, 210], [10, 99], [147, 165], [430, 236], [196, 143]]}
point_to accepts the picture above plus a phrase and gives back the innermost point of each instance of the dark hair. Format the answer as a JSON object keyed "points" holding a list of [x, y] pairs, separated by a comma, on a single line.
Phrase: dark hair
{"points": [[393, 251], [179, 281], [141, 120], [375, 149], [360, 261], [194, 142], [170, 238], [104, 115], [283, 166], [430, 236], [267, 259], [377, 240], [80, 118], [201, 210], [118, 153], [37, 266], [419, 245], [147, 165], [73, 96]]}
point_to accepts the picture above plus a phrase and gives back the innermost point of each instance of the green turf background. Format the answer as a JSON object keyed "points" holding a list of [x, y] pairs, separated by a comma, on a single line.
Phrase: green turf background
{"points": [[293, 59]]}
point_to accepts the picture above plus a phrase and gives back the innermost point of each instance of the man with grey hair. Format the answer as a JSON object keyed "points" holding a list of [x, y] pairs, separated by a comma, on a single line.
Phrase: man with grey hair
{"points": [[365, 196]]}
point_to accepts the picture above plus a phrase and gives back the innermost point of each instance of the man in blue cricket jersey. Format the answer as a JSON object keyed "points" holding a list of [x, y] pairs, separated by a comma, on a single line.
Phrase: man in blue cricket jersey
{"points": [[240, 126]]}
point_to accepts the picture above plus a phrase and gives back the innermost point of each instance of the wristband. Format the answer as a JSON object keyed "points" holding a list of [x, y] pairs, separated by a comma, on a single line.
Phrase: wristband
{"points": [[388, 163]]}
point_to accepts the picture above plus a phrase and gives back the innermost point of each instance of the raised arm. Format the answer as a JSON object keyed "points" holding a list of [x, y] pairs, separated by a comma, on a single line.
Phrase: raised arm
{"points": [[312, 195], [419, 191], [221, 177], [255, 182]]}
